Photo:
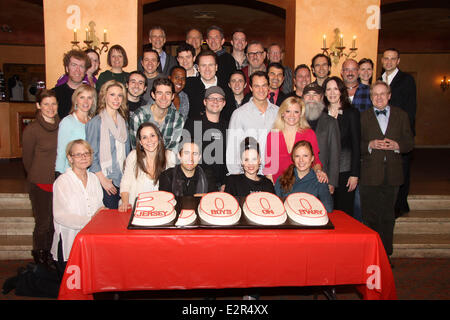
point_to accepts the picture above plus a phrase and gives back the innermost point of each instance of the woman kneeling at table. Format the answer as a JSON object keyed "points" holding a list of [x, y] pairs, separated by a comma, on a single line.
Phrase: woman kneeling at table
{"points": [[77, 197], [144, 165], [299, 177], [244, 184]]}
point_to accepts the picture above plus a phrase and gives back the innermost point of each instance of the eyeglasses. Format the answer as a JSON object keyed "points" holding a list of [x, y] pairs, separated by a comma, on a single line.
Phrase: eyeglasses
{"points": [[81, 155], [253, 54], [215, 99]]}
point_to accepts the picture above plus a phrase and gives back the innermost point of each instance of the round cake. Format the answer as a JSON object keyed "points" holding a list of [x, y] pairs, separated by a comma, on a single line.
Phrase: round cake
{"points": [[306, 209], [154, 208], [186, 217], [219, 208], [264, 208]]}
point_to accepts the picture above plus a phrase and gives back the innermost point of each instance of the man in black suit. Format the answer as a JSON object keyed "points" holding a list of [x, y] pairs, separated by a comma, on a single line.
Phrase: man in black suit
{"points": [[275, 71], [385, 135], [225, 62], [403, 95], [196, 86]]}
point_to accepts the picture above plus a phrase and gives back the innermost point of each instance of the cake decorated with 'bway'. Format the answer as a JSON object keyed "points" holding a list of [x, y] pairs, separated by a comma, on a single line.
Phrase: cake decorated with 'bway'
{"points": [[186, 217], [264, 208], [306, 209], [219, 208], [154, 208]]}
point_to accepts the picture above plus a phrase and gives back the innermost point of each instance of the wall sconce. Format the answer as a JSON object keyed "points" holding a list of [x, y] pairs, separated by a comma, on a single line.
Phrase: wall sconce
{"points": [[445, 83], [91, 42], [337, 47]]}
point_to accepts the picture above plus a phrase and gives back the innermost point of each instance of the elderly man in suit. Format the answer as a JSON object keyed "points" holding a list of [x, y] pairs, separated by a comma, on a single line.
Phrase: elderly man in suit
{"points": [[403, 95], [385, 135]]}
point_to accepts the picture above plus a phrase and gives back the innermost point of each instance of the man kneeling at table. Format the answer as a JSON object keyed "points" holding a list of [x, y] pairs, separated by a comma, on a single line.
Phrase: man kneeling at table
{"points": [[187, 178]]}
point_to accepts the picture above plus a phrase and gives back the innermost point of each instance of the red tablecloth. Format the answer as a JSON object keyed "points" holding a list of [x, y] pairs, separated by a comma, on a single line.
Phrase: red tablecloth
{"points": [[106, 256]]}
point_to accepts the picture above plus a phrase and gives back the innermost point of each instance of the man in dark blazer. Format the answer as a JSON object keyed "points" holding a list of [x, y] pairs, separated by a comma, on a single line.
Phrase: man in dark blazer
{"points": [[157, 39], [403, 95], [327, 132], [385, 135], [196, 87]]}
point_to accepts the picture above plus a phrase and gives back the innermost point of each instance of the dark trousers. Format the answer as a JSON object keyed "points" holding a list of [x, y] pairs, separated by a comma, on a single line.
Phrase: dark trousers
{"points": [[377, 204], [344, 200], [111, 201], [42, 207], [401, 204]]}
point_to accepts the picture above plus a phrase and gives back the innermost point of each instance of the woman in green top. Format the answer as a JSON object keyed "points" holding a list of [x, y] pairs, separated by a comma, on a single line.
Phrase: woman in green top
{"points": [[117, 60]]}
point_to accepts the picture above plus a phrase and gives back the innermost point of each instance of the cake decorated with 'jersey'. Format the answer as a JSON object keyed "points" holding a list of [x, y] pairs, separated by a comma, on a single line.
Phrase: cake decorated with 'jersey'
{"points": [[219, 208], [186, 217], [154, 208], [264, 208], [306, 209]]}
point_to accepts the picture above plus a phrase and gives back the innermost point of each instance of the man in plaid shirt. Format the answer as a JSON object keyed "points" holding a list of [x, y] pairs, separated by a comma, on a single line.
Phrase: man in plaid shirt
{"points": [[160, 112], [358, 93]]}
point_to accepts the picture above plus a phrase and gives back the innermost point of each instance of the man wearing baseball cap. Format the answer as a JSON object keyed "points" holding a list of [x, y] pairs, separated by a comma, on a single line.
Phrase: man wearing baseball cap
{"points": [[327, 132], [209, 131]]}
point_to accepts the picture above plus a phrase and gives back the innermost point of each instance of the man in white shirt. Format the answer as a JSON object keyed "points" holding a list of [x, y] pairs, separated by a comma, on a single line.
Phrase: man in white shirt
{"points": [[255, 119]]}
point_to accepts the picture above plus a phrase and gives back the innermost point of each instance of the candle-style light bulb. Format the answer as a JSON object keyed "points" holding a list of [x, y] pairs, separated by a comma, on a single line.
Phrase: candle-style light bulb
{"points": [[354, 42], [104, 35], [324, 41]]}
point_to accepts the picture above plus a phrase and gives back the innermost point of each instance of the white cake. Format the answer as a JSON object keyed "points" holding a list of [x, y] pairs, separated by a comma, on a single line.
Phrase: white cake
{"points": [[186, 217], [154, 208], [306, 209], [219, 208], [264, 208]]}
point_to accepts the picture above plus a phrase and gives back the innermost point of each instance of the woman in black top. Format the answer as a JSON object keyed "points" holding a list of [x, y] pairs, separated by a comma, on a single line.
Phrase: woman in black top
{"points": [[248, 182], [339, 107]]}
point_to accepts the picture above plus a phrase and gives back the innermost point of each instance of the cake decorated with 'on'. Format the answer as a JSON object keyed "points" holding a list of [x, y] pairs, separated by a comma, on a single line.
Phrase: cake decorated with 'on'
{"points": [[264, 208]]}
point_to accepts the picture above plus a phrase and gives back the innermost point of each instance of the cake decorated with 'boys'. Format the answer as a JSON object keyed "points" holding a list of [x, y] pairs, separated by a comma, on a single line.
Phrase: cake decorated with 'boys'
{"points": [[186, 217], [306, 209], [219, 208], [264, 208], [154, 208]]}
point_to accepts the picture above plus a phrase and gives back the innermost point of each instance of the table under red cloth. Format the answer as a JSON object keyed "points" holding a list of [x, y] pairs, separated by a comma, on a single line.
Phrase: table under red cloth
{"points": [[106, 256]]}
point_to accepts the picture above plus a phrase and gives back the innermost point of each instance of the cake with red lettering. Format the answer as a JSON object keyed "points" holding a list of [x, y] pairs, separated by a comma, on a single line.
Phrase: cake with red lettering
{"points": [[219, 208], [154, 208], [264, 208], [186, 217], [306, 209]]}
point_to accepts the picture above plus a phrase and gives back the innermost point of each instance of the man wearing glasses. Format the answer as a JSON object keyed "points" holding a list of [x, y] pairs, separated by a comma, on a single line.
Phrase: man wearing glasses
{"points": [[210, 133], [255, 56], [76, 63]]}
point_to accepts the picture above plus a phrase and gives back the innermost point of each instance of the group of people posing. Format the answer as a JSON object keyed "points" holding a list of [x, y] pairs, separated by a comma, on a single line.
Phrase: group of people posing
{"points": [[207, 120]]}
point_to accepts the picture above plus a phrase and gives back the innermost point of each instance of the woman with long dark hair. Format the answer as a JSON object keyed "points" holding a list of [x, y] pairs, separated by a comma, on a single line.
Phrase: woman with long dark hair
{"points": [[144, 165], [339, 106]]}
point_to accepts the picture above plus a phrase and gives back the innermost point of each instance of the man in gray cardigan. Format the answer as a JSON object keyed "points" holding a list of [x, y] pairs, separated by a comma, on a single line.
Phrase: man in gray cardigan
{"points": [[327, 132]]}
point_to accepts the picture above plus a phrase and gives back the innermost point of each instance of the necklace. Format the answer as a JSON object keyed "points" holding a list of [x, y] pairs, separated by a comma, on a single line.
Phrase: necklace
{"points": [[350, 88]]}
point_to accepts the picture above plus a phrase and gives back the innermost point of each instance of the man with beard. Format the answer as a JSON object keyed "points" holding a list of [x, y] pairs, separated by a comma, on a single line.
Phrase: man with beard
{"points": [[255, 56], [358, 93], [327, 132], [275, 71], [136, 86]]}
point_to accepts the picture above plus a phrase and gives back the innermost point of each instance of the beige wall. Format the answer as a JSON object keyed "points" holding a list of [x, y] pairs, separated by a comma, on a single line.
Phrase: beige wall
{"points": [[21, 54], [314, 18], [119, 17], [433, 104]]}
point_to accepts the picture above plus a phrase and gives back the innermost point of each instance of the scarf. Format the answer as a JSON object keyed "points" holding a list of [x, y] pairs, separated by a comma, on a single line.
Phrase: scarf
{"points": [[119, 133]]}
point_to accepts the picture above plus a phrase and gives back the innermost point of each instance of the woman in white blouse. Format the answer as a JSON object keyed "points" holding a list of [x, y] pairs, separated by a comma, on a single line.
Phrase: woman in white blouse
{"points": [[144, 165], [77, 197]]}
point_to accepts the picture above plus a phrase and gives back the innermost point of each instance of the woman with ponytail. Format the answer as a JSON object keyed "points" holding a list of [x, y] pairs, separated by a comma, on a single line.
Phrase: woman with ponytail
{"points": [[299, 177]]}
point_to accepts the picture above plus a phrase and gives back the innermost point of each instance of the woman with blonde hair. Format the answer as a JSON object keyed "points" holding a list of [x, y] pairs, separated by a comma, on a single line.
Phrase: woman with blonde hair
{"points": [[107, 133], [73, 126], [289, 127], [77, 198]]}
